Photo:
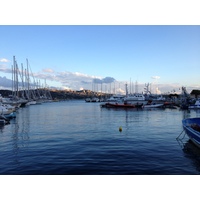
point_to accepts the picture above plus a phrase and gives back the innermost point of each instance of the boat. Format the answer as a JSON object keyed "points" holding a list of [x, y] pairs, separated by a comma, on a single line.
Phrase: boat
{"points": [[196, 105], [135, 97], [4, 110], [31, 102], [171, 105], [116, 98], [155, 98], [87, 100], [153, 105], [121, 105], [95, 99], [10, 115], [192, 129], [117, 105], [3, 120]]}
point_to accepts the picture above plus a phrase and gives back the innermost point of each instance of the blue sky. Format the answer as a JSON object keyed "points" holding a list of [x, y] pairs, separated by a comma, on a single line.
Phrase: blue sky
{"points": [[68, 56]]}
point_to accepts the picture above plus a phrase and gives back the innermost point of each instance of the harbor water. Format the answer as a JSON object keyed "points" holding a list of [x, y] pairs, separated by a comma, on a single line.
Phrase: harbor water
{"points": [[78, 138]]}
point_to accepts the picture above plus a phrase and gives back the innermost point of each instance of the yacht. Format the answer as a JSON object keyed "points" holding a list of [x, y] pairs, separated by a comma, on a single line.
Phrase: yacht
{"points": [[116, 98], [135, 98]]}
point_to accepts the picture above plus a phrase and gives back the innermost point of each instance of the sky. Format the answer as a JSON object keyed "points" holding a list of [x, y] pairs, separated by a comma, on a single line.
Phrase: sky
{"points": [[75, 56], [103, 46]]}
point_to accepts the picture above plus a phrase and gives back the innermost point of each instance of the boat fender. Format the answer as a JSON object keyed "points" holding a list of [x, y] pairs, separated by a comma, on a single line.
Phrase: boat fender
{"points": [[120, 129]]}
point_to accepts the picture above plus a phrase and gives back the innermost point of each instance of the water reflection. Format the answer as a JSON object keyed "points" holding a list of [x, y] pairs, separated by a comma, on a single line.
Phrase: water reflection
{"points": [[192, 152], [1, 128], [20, 132]]}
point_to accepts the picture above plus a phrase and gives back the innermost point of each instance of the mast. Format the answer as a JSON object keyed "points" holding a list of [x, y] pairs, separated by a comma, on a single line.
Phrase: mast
{"points": [[14, 92], [126, 85]]}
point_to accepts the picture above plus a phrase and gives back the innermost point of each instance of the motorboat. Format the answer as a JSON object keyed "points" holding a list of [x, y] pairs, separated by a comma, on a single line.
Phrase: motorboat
{"points": [[192, 129], [95, 99], [31, 102], [135, 98], [4, 120], [88, 100], [116, 98], [153, 105], [4, 110]]}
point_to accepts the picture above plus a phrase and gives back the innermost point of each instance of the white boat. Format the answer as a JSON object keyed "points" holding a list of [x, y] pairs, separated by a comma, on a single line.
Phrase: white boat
{"points": [[95, 99], [3, 120], [135, 98], [9, 107], [4, 110], [116, 98], [154, 105], [196, 105], [31, 103], [156, 98], [87, 100]]}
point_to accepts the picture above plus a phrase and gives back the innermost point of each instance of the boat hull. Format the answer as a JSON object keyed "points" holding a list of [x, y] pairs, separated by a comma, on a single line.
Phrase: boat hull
{"points": [[121, 105], [192, 129]]}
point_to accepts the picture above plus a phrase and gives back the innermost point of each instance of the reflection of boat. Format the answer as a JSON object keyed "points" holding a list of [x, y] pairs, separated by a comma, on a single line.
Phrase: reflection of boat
{"points": [[192, 129], [121, 105], [192, 152]]}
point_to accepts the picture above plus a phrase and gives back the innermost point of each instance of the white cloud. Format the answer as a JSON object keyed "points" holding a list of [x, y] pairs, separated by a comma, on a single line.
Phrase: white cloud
{"points": [[77, 80], [155, 77], [48, 70], [4, 60], [5, 69]]}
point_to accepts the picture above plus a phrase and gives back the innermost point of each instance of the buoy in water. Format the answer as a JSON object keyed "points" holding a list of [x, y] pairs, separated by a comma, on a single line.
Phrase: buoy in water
{"points": [[120, 129]]}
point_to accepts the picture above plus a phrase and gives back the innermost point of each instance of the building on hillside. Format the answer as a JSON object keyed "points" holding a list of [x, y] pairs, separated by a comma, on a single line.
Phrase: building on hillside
{"points": [[195, 94]]}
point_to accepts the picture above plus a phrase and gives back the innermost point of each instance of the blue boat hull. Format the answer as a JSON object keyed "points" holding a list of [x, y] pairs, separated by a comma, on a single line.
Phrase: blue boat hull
{"points": [[193, 134]]}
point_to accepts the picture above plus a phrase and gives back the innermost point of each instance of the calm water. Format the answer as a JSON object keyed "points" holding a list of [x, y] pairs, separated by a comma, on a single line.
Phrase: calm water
{"points": [[75, 137]]}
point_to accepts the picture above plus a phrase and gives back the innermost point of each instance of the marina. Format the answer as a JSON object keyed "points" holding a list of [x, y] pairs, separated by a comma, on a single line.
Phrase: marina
{"points": [[77, 138], [99, 100]]}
